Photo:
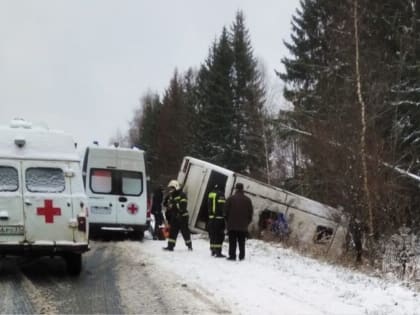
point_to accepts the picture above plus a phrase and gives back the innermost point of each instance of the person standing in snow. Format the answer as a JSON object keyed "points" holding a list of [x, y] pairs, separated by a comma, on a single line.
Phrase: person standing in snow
{"points": [[239, 212], [216, 225], [157, 212], [176, 204]]}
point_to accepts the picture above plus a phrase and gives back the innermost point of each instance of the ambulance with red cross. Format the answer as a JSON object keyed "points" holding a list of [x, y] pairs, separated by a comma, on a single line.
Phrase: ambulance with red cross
{"points": [[115, 183], [43, 206]]}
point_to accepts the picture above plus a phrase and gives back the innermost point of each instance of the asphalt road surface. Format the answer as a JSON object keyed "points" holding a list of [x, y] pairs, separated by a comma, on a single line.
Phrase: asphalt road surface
{"points": [[111, 282]]}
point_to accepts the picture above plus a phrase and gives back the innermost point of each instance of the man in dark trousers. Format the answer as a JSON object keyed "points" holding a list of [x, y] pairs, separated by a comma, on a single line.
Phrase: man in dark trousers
{"points": [[157, 212], [176, 204], [239, 211], [216, 225]]}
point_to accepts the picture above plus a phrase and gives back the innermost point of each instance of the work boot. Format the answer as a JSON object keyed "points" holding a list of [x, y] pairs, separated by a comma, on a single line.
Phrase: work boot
{"points": [[219, 254], [168, 248], [190, 247]]}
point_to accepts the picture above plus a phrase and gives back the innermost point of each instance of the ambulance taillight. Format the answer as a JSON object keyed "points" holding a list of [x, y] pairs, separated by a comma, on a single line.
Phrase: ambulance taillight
{"points": [[81, 223]]}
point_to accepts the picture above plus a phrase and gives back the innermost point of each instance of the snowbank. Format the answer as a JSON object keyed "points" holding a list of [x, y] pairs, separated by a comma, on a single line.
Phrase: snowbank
{"points": [[274, 280]]}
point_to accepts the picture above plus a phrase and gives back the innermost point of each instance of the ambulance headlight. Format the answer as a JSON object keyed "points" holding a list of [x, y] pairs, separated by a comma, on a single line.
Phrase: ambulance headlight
{"points": [[20, 142]]}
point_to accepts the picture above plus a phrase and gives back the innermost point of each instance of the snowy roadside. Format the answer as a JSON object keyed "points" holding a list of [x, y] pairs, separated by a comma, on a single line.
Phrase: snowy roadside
{"points": [[273, 280]]}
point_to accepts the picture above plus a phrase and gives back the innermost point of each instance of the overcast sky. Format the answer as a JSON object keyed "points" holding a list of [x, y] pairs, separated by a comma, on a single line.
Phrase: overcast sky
{"points": [[82, 65]]}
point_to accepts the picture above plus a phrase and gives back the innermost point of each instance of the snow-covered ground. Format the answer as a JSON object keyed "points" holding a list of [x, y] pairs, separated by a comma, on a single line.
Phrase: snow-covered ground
{"points": [[275, 280]]}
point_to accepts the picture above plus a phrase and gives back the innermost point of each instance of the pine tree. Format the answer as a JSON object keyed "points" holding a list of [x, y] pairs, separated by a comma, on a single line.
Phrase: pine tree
{"points": [[248, 153], [191, 101], [172, 130], [230, 116], [405, 92], [216, 110], [320, 85], [230, 108], [398, 25], [347, 83]]}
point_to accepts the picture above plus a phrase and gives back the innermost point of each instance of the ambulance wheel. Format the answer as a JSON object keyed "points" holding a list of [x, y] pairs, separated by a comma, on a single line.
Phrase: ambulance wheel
{"points": [[141, 235], [93, 234], [74, 263], [137, 235]]}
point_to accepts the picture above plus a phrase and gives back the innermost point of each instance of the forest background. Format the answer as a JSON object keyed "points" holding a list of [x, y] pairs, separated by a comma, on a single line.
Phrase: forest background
{"points": [[352, 137]]}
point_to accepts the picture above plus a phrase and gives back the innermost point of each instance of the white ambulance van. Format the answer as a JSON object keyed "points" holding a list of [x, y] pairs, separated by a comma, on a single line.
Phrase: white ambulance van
{"points": [[43, 206], [115, 183]]}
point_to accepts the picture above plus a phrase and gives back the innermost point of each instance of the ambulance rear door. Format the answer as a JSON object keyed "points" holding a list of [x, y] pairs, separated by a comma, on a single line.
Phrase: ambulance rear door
{"points": [[131, 190], [132, 200], [47, 201], [11, 204], [102, 199]]}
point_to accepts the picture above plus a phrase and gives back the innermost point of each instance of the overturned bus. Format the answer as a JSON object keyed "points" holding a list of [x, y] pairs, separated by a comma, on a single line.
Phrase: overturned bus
{"points": [[311, 225]]}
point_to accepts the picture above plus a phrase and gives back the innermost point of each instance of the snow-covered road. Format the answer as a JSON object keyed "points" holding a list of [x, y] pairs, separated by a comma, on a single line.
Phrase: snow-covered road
{"points": [[271, 280]]}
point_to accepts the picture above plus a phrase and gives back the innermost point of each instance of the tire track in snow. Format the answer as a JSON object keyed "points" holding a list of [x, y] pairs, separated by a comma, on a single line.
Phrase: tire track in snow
{"points": [[141, 279], [39, 298]]}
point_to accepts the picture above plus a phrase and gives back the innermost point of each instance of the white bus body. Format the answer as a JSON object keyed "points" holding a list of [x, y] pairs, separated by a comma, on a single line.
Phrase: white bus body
{"points": [[312, 225]]}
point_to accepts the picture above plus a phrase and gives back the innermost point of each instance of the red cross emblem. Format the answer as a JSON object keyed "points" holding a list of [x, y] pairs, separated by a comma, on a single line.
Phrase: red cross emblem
{"points": [[132, 208], [48, 211]]}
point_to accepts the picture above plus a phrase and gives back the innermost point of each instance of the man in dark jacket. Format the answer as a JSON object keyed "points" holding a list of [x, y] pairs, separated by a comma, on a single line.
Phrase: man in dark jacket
{"points": [[176, 204], [239, 212], [216, 225], [157, 212]]}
